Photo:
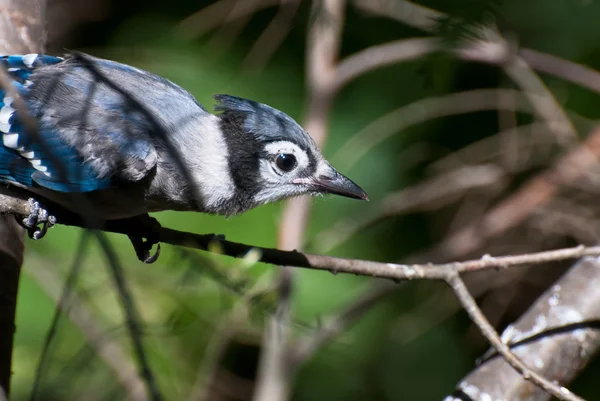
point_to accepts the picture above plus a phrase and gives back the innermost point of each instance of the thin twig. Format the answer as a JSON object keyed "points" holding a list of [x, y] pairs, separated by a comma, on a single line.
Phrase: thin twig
{"points": [[542, 99], [324, 38], [489, 48], [493, 50], [111, 352], [491, 147], [131, 318], [334, 327], [237, 18], [62, 303], [379, 56], [323, 42], [426, 19], [275, 372], [559, 330], [447, 272], [470, 306], [420, 111], [559, 67], [216, 14], [532, 195], [393, 271], [430, 195], [273, 35], [510, 145], [411, 14]]}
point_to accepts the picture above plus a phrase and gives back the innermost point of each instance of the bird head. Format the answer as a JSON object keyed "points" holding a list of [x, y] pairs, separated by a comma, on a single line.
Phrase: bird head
{"points": [[272, 158]]}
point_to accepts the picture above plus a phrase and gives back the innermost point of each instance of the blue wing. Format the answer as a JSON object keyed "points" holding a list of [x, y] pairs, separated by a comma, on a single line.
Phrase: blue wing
{"points": [[87, 138]]}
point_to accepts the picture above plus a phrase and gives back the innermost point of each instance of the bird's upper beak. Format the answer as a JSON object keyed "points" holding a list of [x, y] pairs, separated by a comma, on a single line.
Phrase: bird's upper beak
{"points": [[333, 182]]}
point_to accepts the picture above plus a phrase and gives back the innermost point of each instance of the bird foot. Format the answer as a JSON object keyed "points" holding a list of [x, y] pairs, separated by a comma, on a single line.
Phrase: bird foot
{"points": [[151, 233], [142, 248], [37, 216]]}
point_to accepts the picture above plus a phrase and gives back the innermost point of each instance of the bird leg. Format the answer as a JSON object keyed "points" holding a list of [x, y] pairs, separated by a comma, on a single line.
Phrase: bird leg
{"points": [[146, 228], [37, 216], [151, 234], [142, 248]]}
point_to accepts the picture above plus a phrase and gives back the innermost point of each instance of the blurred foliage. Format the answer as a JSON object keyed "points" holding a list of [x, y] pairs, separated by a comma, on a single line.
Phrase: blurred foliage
{"points": [[191, 303]]}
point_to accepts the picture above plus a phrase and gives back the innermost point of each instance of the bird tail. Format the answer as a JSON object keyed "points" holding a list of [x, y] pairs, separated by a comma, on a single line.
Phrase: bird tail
{"points": [[19, 68]]}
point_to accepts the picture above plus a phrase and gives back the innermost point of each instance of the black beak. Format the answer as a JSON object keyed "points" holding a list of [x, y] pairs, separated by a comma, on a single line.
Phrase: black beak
{"points": [[339, 184]]}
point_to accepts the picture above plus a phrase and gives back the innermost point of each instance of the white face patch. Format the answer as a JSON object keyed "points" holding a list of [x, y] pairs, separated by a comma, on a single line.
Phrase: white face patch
{"points": [[324, 168], [278, 184], [206, 156], [285, 147]]}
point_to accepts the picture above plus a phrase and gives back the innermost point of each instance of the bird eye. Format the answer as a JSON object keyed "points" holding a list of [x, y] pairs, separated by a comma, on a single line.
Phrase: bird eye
{"points": [[286, 162]]}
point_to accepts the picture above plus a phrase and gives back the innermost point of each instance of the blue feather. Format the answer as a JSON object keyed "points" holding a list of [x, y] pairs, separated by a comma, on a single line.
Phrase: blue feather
{"points": [[20, 154], [88, 137]]}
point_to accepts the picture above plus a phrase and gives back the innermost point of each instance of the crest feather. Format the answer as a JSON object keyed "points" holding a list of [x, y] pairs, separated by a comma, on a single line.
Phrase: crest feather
{"points": [[264, 122]]}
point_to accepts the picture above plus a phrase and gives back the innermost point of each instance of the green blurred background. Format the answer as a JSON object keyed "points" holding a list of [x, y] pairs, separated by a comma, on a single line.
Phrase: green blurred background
{"points": [[204, 314]]}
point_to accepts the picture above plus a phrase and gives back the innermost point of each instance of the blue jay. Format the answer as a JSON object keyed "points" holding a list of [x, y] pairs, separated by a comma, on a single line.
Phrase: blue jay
{"points": [[132, 142]]}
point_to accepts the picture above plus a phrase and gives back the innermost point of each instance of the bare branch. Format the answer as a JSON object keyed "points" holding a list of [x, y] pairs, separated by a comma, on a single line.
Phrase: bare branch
{"points": [[423, 110], [491, 50], [324, 37], [429, 195], [533, 194], [132, 318], [322, 53], [335, 326], [470, 306], [491, 147], [568, 70], [446, 272], [273, 35], [237, 18], [559, 330], [111, 352], [542, 99], [380, 56], [392, 271], [21, 31], [275, 372], [219, 13], [411, 14], [426, 19]]}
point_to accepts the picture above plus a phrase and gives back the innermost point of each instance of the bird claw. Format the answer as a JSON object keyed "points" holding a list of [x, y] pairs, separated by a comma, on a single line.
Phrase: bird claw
{"points": [[142, 249], [37, 216]]}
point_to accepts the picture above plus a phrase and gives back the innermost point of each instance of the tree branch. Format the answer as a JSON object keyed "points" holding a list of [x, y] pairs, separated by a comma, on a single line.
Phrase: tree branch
{"points": [[111, 352], [21, 31], [468, 303], [559, 330], [448, 272], [337, 324], [533, 194], [393, 271], [323, 42], [426, 20]]}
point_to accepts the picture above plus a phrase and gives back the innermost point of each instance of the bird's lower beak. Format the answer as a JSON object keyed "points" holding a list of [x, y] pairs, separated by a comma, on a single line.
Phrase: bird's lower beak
{"points": [[337, 184]]}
